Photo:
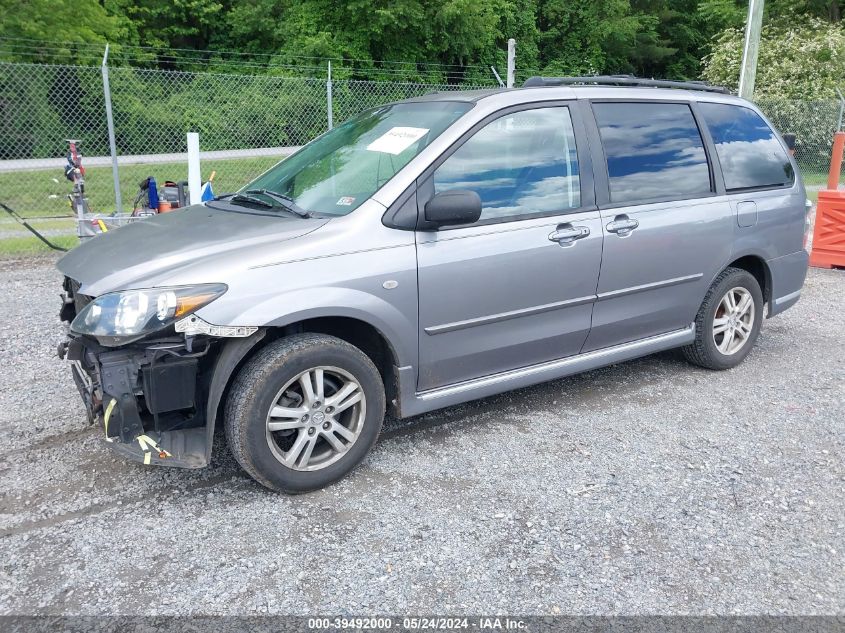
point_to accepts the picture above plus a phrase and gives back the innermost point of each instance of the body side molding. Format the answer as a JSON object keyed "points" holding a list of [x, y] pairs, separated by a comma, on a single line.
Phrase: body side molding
{"points": [[416, 403]]}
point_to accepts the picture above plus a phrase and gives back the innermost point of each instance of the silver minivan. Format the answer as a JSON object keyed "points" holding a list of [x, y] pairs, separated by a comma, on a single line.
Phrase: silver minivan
{"points": [[430, 252]]}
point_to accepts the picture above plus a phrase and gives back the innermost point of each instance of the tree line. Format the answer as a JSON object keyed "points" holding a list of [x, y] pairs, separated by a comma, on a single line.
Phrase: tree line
{"points": [[652, 38]]}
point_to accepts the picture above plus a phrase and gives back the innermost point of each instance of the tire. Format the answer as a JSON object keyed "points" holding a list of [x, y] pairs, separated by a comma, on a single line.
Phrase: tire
{"points": [[716, 351], [305, 450]]}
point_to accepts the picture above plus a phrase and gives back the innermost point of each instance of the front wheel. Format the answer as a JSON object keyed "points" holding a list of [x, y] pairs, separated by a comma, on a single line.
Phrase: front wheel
{"points": [[728, 322], [304, 412]]}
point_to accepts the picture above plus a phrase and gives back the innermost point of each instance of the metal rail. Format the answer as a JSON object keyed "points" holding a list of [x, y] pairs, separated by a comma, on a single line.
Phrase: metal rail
{"points": [[622, 80]]}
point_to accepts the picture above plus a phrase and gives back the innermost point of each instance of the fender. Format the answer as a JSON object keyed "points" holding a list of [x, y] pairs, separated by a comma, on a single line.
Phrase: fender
{"points": [[398, 327], [233, 352], [735, 255]]}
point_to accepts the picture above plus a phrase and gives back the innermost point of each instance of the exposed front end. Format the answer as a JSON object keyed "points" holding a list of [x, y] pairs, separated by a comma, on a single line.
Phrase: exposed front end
{"points": [[149, 392]]}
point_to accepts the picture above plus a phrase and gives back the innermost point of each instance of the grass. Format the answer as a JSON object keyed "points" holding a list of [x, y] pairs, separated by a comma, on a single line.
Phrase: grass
{"points": [[35, 194], [15, 246]]}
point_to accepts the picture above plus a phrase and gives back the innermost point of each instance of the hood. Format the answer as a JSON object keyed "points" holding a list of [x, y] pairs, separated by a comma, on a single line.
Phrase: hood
{"points": [[160, 245]]}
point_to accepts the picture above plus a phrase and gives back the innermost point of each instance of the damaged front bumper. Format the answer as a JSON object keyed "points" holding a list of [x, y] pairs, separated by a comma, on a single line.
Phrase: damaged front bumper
{"points": [[148, 398], [157, 399]]}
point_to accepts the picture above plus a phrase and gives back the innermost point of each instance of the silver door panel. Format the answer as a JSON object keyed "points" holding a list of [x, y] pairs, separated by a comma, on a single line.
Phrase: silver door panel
{"points": [[654, 278], [497, 297]]}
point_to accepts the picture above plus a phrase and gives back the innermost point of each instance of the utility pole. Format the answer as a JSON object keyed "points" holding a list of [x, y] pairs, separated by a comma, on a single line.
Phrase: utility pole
{"points": [[748, 72]]}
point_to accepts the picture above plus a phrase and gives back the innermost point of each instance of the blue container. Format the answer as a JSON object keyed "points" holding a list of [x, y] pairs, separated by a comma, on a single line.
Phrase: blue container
{"points": [[152, 193]]}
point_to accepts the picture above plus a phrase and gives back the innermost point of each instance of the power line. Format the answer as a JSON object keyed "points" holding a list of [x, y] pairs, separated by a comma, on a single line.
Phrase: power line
{"points": [[85, 59]]}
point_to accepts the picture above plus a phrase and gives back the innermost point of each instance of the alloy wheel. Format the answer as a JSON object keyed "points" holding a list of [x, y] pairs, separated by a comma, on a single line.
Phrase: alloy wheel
{"points": [[315, 418], [734, 321]]}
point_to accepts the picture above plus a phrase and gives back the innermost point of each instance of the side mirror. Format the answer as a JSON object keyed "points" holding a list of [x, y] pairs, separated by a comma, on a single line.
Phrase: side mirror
{"points": [[458, 206]]}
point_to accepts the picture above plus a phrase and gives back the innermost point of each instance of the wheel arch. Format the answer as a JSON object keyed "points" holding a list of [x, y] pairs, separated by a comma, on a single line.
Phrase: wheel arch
{"points": [[759, 269], [355, 331]]}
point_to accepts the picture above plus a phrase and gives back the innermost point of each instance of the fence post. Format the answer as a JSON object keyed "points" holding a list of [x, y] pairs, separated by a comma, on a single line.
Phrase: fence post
{"points": [[511, 61], [194, 171], [112, 143], [841, 110], [329, 96]]}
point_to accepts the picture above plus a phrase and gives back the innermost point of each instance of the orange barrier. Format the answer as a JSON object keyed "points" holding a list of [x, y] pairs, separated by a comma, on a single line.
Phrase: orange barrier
{"points": [[829, 232]]}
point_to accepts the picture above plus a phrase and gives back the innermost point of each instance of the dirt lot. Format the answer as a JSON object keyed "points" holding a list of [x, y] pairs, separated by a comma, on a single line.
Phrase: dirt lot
{"points": [[646, 487]]}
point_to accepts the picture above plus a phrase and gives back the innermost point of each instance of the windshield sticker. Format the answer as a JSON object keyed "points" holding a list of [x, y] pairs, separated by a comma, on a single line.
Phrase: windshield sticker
{"points": [[397, 139], [345, 201]]}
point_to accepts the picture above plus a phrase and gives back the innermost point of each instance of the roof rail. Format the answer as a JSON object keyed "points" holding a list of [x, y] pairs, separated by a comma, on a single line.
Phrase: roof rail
{"points": [[622, 80]]}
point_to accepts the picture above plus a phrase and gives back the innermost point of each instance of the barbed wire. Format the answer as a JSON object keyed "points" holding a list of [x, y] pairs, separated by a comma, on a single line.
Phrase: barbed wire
{"points": [[32, 46]]}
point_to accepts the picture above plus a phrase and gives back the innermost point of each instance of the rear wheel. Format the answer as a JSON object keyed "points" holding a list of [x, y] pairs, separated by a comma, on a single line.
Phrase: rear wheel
{"points": [[304, 412], [728, 322]]}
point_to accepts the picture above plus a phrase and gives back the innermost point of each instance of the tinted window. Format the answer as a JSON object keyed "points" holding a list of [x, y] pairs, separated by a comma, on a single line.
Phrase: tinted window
{"points": [[653, 150], [520, 164], [748, 151]]}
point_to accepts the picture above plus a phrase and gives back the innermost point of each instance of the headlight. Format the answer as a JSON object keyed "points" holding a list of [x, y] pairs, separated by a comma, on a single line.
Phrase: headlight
{"points": [[118, 318]]}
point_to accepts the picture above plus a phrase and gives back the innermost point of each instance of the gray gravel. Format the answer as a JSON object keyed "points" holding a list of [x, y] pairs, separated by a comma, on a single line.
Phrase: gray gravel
{"points": [[647, 487]]}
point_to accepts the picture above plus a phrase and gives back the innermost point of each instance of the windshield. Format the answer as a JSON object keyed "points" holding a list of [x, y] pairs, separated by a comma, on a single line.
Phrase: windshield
{"points": [[337, 172]]}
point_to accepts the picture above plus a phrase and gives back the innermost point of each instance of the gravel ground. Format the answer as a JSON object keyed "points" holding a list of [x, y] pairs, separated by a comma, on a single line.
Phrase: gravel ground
{"points": [[646, 487]]}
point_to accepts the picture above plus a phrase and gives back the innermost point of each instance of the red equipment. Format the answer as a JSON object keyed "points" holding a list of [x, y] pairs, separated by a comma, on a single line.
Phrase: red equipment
{"points": [[829, 232]]}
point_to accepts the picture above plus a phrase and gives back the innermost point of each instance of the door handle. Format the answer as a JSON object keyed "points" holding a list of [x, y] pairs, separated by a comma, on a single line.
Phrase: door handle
{"points": [[622, 225], [566, 234]]}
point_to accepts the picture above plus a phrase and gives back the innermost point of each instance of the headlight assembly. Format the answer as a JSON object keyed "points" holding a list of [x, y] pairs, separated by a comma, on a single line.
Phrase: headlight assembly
{"points": [[118, 318]]}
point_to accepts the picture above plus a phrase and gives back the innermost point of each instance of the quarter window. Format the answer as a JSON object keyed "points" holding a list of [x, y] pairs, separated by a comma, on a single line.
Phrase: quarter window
{"points": [[521, 164], [750, 155], [653, 151]]}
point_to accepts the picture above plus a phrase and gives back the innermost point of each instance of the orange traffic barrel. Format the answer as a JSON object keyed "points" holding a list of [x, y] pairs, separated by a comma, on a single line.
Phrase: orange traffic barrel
{"points": [[829, 231]]}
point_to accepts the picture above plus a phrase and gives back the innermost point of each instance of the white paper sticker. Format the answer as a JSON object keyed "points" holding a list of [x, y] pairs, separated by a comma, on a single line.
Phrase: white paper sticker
{"points": [[396, 140]]}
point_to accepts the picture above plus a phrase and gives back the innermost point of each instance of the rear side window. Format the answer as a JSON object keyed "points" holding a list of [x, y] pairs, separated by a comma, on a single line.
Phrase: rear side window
{"points": [[750, 155], [653, 151]]}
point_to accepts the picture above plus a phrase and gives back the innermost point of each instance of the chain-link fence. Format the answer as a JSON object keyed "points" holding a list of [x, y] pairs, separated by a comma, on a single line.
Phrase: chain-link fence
{"points": [[246, 123], [813, 123]]}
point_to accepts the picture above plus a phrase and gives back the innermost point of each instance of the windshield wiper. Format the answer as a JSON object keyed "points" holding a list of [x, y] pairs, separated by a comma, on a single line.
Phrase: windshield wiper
{"points": [[235, 197], [286, 201]]}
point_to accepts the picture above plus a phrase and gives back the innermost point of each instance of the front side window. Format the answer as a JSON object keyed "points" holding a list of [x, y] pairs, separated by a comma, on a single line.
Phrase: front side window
{"points": [[750, 155], [521, 164], [334, 174], [653, 150]]}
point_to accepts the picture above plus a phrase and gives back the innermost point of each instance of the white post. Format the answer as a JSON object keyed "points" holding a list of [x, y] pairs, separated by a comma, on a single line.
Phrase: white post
{"points": [[329, 97], [110, 122], [194, 173], [748, 72], [511, 61]]}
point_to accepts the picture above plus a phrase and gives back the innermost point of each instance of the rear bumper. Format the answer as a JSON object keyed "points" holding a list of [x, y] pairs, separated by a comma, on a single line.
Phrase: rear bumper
{"points": [[148, 400], [788, 274]]}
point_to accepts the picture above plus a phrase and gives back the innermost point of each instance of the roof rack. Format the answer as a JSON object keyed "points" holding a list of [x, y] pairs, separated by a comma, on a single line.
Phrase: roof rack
{"points": [[622, 80]]}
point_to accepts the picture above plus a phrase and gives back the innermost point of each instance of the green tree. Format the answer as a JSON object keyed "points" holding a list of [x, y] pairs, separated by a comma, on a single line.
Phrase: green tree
{"points": [[70, 28], [460, 33], [798, 59], [173, 23]]}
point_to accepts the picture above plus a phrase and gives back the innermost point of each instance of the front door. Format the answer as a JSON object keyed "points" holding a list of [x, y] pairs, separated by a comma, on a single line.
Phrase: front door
{"points": [[517, 287]]}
